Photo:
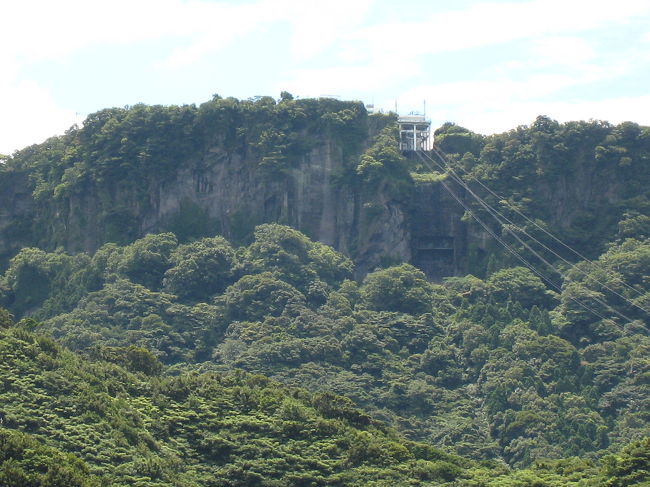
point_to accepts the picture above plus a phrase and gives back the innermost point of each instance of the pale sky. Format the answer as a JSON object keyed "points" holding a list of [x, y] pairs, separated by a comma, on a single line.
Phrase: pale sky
{"points": [[488, 66]]}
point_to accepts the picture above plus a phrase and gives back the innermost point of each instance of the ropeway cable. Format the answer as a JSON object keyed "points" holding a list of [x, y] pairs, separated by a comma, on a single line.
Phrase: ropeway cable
{"points": [[573, 266], [489, 230], [496, 215], [514, 252], [442, 156], [495, 212], [527, 264]]}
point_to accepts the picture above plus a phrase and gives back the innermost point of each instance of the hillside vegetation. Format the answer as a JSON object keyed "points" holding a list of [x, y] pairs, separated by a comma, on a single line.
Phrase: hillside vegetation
{"points": [[586, 182], [94, 423], [221, 168], [493, 368], [198, 356]]}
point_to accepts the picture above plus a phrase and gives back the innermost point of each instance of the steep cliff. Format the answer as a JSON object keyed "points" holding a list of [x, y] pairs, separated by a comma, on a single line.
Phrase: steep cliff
{"points": [[16, 210], [325, 167], [221, 168]]}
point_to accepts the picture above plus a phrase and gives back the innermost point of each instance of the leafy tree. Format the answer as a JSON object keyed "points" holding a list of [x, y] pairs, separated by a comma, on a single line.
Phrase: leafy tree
{"points": [[26, 461], [519, 284], [295, 258], [53, 282], [402, 288], [453, 139], [200, 269], [6, 318], [255, 296], [383, 163], [29, 276], [630, 467], [146, 260]]}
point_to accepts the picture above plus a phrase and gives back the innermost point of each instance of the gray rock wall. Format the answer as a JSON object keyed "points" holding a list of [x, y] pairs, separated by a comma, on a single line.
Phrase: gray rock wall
{"points": [[232, 193]]}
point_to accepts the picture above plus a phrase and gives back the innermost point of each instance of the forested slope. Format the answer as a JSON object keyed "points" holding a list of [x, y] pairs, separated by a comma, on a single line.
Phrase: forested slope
{"points": [[93, 423], [495, 368], [586, 182], [222, 167], [190, 429], [148, 339]]}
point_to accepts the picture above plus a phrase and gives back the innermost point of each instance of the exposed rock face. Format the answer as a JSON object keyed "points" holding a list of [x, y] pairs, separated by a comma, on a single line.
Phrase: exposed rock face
{"points": [[16, 208], [439, 239], [236, 197], [229, 193], [226, 193], [318, 166]]}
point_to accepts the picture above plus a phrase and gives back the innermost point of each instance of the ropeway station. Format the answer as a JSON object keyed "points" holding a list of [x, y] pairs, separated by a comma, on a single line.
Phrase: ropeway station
{"points": [[435, 238], [414, 133]]}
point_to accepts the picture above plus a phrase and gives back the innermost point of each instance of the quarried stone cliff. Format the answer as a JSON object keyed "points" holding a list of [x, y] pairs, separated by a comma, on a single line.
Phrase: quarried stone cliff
{"points": [[217, 187], [325, 167]]}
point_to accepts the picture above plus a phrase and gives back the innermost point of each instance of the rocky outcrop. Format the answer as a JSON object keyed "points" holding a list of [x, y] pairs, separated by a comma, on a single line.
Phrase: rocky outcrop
{"points": [[439, 238], [219, 192], [16, 210]]}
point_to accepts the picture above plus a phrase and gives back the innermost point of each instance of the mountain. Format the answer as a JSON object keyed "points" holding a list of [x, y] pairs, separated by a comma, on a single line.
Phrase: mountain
{"points": [[268, 292], [223, 167], [188, 429], [327, 168]]}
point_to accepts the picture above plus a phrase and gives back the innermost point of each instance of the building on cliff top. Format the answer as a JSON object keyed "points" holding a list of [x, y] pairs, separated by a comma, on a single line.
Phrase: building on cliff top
{"points": [[414, 132]]}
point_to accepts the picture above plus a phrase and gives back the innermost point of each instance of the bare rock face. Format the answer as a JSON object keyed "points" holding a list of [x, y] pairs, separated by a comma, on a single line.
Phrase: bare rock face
{"points": [[439, 238], [316, 165], [234, 194], [217, 192], [16, 206]]}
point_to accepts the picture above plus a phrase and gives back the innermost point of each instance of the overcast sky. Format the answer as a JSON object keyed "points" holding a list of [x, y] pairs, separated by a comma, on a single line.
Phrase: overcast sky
{"points": [[488, 66]]}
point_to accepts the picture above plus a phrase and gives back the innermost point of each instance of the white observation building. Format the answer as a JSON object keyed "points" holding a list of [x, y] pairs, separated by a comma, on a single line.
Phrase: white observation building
{"points": [[414, 132]]}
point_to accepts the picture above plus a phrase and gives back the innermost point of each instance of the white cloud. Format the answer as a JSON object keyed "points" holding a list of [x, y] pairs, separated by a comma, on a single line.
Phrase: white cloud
{"points": [[40, 29], [614, 110], [506, 84], [500, 119], [51, 30], [381, 59], [317, 25], [489, 116], [563, 50], [364, 77], [485, 24], [378, 56], [215, 27], [516, 94], [499, 90], [29, 115]]}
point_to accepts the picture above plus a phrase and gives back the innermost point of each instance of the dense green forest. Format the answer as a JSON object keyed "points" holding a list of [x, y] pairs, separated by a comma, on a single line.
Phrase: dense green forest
{"points": [[586, 182], [186, 358], [494, 368], [95, 423]]}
